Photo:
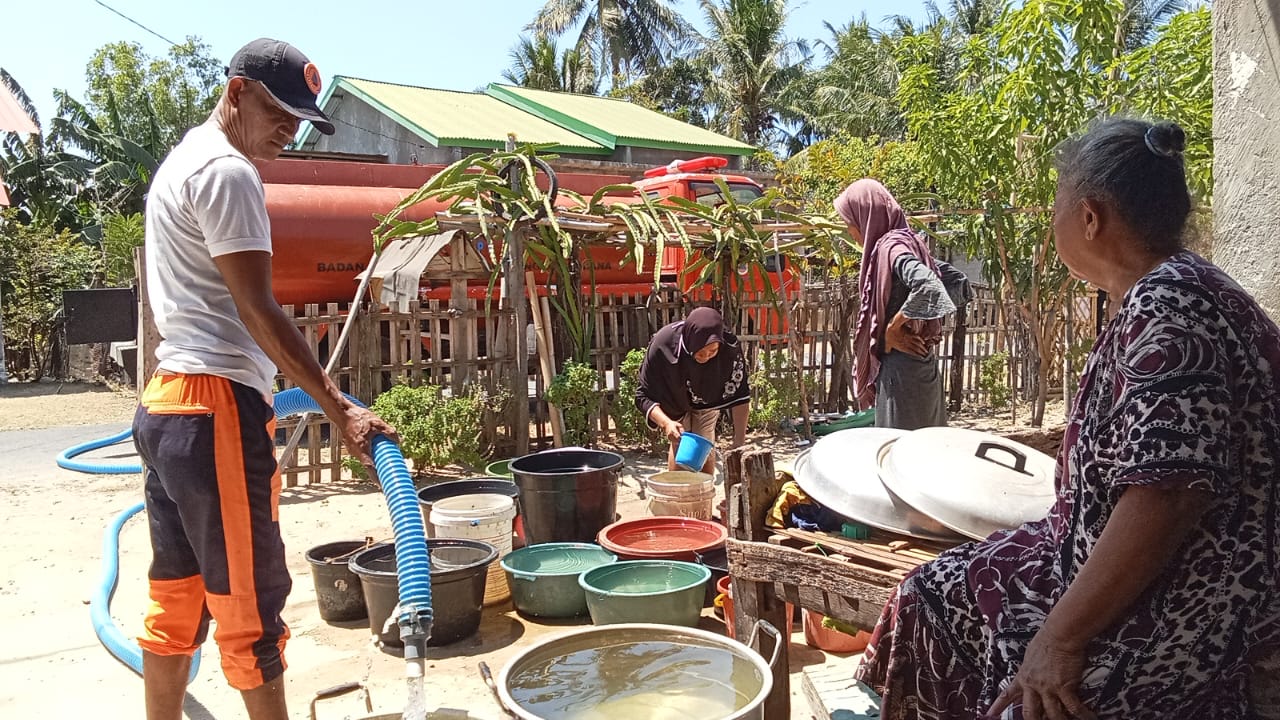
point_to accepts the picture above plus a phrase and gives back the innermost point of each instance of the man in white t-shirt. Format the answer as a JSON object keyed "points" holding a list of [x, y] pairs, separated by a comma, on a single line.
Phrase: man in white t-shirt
{"points": [[205, 425]]}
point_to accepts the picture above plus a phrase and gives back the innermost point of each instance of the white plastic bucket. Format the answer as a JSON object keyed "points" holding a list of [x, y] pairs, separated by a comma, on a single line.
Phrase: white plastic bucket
{"points": [[682, 493], [484, 517]]}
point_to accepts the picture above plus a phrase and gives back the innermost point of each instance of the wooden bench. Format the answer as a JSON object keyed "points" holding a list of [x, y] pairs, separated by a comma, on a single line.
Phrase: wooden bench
{"points": [[849, 580]]}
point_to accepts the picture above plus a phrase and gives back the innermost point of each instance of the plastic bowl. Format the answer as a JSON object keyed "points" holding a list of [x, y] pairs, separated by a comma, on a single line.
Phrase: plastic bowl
{"points": [[693, 451], [499, 468], [663, 537], [544, 578], [669, 592]]}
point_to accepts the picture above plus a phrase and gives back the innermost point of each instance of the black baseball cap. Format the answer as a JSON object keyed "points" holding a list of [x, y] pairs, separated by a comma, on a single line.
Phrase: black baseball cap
{"points": [[287, 75]]}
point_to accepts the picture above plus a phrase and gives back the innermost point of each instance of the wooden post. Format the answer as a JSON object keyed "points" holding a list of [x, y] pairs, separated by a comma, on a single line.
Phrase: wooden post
{"points": [[957, 359], [148, 334], [544, 357], [460, 325], [513, 275], [751, 486]]}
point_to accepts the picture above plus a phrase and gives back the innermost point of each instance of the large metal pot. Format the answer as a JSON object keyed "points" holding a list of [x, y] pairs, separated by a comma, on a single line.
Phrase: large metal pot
{"points": [[541, 659]]}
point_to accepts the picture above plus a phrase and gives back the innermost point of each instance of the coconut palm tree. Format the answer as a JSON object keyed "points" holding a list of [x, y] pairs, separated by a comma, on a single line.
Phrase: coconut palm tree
{"points": [[1143, 17], [534, 64], [752, 66], [623, 37], [854, 92]]}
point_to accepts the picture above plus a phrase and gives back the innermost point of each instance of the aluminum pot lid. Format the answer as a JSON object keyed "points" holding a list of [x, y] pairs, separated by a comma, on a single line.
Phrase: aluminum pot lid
{"points": [[841, 471], [972, 482]]}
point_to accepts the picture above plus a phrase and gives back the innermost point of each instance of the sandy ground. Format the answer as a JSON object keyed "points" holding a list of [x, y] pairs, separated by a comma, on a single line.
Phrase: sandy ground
{"points": [[51, 663]]}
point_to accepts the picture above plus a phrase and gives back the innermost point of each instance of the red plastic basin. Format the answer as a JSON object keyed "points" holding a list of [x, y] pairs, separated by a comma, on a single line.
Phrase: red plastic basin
{"points": [[671, 538]]}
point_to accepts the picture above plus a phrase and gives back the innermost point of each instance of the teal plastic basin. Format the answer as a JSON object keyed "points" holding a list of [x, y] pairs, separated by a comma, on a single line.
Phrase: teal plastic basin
{"points": [[669, 592], [544, 578]]}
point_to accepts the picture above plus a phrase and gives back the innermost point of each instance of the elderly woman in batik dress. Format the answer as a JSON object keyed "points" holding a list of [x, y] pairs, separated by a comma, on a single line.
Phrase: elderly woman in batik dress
{"points": [[1151, 587]]}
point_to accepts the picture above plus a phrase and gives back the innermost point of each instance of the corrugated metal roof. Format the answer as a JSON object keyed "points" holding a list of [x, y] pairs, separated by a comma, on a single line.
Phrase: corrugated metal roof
{"points": [[468, 119], [12, 117], [613, 122]]}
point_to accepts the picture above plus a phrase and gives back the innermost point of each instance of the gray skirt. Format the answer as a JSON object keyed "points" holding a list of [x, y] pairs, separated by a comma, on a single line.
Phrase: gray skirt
{"points": [[909, 392]]}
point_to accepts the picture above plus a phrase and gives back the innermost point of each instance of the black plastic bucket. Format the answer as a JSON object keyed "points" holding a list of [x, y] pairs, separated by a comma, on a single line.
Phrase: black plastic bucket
{"points": [[339, 594], [567, 495], [717, 561], [431, 494], [458, 570]]}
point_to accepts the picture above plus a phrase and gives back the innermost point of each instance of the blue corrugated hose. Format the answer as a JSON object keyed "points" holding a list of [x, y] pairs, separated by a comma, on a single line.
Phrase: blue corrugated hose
{"points": [[413, 561], [125, 649], [100, 467]]}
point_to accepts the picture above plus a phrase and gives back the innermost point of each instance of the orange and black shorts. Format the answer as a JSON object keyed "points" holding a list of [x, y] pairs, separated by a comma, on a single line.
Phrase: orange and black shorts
{"points": [[212, 495]]}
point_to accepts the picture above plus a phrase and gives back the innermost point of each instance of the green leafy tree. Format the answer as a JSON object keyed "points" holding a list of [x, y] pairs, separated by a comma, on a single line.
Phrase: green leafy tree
{"points": [[678, 89], [1172, 78], [535, 64], [1039, 75], [622, 37], [37, 263], [814, 177], [153, 101], [120, 235]]}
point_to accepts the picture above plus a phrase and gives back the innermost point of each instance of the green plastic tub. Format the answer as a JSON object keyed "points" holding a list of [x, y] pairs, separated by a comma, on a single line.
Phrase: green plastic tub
{"points": [[861, 419], [544, 578], [499, 468], [669, 592]]}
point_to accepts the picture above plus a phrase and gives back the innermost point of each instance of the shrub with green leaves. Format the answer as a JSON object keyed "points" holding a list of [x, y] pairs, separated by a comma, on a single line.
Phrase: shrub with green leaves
{"points": [[576, 391], [775, 394], [992, 382], [628, 421], [37, 263], [435, 429]]}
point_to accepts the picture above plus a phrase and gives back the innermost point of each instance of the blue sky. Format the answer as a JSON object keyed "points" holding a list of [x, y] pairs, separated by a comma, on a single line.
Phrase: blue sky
{"points": [[457, 45]]}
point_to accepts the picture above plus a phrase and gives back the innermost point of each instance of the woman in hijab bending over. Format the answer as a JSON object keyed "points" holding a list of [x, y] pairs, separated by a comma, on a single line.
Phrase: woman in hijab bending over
{"points": [[692, 370], [905, 294]]}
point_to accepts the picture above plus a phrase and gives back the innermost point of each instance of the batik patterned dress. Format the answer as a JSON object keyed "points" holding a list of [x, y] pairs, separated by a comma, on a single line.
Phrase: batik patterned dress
{"points": [[1180, 390]]}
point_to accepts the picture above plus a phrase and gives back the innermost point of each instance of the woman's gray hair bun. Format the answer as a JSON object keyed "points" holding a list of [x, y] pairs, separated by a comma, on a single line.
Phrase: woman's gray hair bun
{"points": [[1166, 140]]}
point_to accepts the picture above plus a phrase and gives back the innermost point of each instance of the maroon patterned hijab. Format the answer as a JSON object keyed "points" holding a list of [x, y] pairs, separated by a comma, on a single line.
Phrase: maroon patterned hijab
{"points": [[869, 206]]}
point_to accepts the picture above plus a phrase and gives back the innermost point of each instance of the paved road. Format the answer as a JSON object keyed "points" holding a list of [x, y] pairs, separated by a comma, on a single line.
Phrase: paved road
{"points": [[35, 450]]}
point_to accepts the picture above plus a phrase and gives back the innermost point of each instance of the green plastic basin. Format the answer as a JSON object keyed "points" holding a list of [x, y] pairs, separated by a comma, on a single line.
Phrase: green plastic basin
{"points": [[499, 468], [669, 592], [544, 578]]}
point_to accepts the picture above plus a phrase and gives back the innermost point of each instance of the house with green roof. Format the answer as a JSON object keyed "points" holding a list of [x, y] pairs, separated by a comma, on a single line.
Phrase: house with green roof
{"points": [[409, 124]]}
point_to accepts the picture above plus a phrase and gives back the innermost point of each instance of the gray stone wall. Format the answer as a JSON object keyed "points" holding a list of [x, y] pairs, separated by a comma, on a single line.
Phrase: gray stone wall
{"points": [[1246, 131]]}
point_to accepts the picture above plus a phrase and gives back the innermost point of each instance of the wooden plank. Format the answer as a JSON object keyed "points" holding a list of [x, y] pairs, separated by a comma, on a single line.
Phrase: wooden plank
{"points": [[833, 694], [896, 565], [148, 335], [752, 478], [545, 362]]}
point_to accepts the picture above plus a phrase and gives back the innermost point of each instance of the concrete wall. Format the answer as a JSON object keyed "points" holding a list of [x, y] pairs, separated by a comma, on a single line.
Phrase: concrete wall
{"points": [[1246, 131]]}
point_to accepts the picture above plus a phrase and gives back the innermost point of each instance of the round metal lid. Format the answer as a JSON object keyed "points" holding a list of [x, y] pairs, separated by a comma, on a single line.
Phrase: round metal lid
{"points": [[841, 471], [972, 482]]}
